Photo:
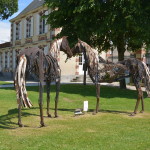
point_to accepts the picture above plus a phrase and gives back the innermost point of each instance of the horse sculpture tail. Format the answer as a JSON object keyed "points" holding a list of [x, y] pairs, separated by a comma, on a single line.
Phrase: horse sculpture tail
{"points": [[147, 79], [19, 83]]}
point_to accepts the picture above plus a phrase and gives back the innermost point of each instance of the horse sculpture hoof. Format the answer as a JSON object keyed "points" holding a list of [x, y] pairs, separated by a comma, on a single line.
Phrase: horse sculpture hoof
{"points": [[20, 125], [42, 125], [49, 116], [132, 114], [142, 111]]}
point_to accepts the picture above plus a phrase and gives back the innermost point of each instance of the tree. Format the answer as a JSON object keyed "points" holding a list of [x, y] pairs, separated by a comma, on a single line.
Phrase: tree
{"points": [[8, 8], [106, 24]]}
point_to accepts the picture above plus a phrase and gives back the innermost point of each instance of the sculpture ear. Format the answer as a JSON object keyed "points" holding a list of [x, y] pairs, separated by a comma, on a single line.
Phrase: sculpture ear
{"points": [[79, 40]]}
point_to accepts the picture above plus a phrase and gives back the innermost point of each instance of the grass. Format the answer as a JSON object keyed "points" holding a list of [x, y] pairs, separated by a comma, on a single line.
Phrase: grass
{"points": [[111, 129], [4, 83]]}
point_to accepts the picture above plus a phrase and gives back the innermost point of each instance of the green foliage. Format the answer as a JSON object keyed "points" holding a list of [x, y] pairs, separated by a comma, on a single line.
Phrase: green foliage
{"points": [[111, 129], [103, 23], [8, 8]]}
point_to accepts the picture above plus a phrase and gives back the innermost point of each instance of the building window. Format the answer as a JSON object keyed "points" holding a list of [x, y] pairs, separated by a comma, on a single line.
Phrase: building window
{"points": [[18, 30], [11, 59], [6, 59], [80, 60], [1, 61], [28, 25], [42, 25]]}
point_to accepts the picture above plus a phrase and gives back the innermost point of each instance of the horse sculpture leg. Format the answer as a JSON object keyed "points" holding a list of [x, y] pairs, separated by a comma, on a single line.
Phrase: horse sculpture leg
{"points": [[140, 97], [41, 104], [19, 115], [142, 103], [48, 98], [97, 96], [57, 96]]}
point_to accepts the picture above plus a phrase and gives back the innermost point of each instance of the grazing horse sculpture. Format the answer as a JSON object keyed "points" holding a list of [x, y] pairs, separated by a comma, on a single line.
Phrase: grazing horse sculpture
{"points": [[45, 68], [101, 71]]}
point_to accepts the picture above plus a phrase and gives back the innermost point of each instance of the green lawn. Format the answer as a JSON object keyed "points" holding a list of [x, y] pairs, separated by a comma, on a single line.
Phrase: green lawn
{"points": [[4, 83], [111, 129]]}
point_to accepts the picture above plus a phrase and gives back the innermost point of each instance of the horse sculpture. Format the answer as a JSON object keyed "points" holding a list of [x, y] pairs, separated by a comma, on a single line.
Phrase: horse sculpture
{"points": [[101, 71], [45, 68]]}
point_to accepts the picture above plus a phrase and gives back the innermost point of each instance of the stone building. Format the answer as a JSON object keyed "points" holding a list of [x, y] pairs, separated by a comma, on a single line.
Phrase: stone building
{"points": [[29, 29]]}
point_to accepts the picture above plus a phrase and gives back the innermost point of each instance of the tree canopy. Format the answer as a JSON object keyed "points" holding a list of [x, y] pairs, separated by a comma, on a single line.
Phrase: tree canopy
{"points": [[8, 8], [103, 23]]}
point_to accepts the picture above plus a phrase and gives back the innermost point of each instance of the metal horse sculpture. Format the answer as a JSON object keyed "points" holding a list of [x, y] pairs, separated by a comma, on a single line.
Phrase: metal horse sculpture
{"points": [[101, 71], [45, 68]]}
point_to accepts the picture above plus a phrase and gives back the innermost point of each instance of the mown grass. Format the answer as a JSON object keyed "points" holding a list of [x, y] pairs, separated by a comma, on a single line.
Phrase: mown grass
{"points": [[111, 129], [4, 83]]}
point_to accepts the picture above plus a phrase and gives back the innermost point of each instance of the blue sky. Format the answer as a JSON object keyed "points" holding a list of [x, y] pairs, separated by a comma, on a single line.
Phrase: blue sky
{"points": [[5, 25]]}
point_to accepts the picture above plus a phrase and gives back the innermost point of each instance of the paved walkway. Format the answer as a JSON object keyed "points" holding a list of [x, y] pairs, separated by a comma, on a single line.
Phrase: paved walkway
{"points": [[32, 83]]}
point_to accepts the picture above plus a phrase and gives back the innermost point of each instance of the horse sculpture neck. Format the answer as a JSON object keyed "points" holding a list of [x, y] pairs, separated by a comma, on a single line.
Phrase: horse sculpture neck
{"points": [[55, 48], [91, 54], [98, 69]]}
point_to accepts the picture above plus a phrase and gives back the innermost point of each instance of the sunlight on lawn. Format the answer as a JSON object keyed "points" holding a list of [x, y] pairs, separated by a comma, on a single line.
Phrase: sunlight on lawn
{"points": [[112, 128]]}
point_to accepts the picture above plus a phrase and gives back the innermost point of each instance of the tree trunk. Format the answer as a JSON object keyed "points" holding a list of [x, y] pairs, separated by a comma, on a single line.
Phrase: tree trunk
{"points": [[121, 51]]}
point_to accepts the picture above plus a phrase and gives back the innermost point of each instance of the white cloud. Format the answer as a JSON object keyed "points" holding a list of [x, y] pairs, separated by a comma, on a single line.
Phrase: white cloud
{"points": [[4, 32]]}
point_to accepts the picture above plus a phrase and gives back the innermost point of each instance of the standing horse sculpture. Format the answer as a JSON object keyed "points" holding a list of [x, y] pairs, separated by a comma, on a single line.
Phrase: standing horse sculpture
{"points": [[101, 71], [45, 68]]}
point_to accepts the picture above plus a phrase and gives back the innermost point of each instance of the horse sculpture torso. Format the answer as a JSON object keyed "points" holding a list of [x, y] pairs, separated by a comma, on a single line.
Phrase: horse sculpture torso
{"points": [[45, 68], [36, 59], [101, 71]]}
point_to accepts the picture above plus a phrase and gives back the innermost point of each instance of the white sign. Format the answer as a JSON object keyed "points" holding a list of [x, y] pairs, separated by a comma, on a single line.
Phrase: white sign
{"points": [[85, 106]]}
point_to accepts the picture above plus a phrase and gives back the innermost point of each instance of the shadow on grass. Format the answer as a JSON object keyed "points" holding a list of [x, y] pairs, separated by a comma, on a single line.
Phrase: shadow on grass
{"points": [[5, 120], [6, 123], [89, 90], [101, 111]]}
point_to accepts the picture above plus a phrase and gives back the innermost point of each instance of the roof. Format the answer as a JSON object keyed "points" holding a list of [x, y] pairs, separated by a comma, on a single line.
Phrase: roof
{"points": [[3, 45], [33, 5]]}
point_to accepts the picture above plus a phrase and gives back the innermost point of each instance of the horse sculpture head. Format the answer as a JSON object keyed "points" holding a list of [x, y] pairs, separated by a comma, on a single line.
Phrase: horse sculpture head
{"points": [[61, 44], [65, 47], [78, 48]]}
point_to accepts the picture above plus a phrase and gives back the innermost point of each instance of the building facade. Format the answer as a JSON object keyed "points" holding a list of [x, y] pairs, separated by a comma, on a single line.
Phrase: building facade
{"points": [[29, 29]]}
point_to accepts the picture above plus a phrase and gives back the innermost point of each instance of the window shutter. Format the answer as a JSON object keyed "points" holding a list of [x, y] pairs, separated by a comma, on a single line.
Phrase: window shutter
{"points": [[32, 26], [46, 25], [3, 59], [14, 31], [37, 24], [0, 62], [25, 26], [20, 32], [8, 59], [14, 59]]}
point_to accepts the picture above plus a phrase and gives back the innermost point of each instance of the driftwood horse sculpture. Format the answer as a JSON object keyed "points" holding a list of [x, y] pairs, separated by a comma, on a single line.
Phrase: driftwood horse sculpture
{"points": [[101, 71], [45, 68]]}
